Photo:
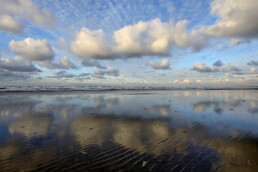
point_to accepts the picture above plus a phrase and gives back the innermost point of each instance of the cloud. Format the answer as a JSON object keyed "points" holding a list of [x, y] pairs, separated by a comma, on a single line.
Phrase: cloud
{"points": [[160, 109], [201, 67], [17, 64], [11, 25], [92, 63], [175, 81], [253, 63], [151, 38], [199, 81], [155, 38], [71, 27], [163, 64], [109, 71], [128, 39], [189, 39], [236, 18], [185, 81], [236, 41], [64, 63], [90, 44], [27, 10], [66, 75], [30, 126], [252, 70], [35, 50], [62, 41], [218, 63], [231, 68], [99, 76], [63, 74], [6, 75], [83, 75]]}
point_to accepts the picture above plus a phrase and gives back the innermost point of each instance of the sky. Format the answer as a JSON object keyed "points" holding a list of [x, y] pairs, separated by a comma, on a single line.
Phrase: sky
{"points": [[190, 43]]}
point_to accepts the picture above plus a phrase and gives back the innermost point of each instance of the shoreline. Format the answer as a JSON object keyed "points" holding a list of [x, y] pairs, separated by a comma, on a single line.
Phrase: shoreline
{"points": [[4, 90]]}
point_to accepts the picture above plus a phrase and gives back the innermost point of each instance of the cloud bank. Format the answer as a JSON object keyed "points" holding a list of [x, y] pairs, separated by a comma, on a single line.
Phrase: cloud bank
{"points": [[152, 38]]}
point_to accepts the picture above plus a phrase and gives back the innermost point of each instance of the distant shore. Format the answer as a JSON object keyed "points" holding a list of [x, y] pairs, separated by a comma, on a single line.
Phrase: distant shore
{"points": [[106, 88]]}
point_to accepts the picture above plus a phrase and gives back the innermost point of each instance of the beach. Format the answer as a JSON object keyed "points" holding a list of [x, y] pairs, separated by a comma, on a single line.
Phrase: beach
{"points": [[129, 130]]}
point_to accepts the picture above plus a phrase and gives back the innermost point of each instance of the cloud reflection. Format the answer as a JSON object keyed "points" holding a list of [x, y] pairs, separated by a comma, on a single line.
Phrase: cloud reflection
{"points": [[32, 124], [160, 123]]}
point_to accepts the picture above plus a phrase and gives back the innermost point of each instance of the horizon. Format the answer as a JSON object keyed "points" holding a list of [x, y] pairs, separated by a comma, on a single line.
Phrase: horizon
{"points": [[197, 44]]}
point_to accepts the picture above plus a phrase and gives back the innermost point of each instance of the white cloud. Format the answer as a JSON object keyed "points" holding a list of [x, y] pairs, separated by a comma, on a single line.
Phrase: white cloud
{"points": [[128, 39], [64, 63], [186, 81], [11, 25], [175, 81], [252, 70], [17, 64], [90, 44], [151, 38], [163, 64], [189, 39], [27, 10], [145, 82], [35, 50], [236, 18], [199, 81]]}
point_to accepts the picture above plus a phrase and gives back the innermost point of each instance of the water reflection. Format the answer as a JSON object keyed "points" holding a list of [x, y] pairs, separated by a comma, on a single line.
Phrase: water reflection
{"points": [[171, 130], [16, 106], [31, 124], [160, 109], [253, 110]]}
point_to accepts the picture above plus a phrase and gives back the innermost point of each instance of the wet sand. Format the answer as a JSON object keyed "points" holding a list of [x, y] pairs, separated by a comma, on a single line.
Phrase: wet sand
{"points": [[206, 130]]}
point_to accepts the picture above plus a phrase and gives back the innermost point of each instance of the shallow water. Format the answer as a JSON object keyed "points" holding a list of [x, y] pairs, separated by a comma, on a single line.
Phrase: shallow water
{"points": [[126, 130]]}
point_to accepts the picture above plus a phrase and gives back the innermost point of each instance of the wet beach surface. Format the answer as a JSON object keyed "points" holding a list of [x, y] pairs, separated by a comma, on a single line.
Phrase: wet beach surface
{"points": [[194, 130]]}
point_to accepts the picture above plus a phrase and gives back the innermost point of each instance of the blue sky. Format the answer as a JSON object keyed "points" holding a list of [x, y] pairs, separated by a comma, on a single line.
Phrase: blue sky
{"points": [[154, 43]]}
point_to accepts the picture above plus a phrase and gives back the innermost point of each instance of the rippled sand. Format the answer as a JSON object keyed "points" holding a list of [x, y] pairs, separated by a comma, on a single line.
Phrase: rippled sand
{"points": [[129, 131]]}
